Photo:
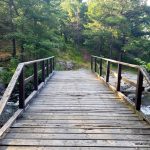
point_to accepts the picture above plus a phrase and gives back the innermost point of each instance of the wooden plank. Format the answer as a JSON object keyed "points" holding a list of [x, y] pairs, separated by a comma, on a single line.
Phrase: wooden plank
{"points": [[77, 106], [83, 136], [34, 108], [121, 114], [82, 130], [79, 111], [65, 148], [73, 117], [99, 122], [72, 143], [80, 126]]}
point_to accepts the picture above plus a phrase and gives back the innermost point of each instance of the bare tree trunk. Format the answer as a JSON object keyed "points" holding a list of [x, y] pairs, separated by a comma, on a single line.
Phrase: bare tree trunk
{"points": [[14, 47], [12, 27], [110, 49], [22, 52]]}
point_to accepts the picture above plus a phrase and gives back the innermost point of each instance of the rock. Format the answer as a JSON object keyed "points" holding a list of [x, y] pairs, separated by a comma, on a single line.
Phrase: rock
{"points": [[2, 88], [125, 87], [147, 89], [1, 69], [69, 65], [131, 96], [66, 65], [11, 104], [8, 112], [61, 63]]}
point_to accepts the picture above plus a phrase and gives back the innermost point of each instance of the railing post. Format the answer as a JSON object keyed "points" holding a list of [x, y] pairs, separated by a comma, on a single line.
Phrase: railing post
{"points": [[53, 63], [43, 71], [108, 71], [92, 63], [21, 90], [51, 69], [35, 76], [119, 77], [139, 90], [95, 64], [100, 67], [47, 67]]}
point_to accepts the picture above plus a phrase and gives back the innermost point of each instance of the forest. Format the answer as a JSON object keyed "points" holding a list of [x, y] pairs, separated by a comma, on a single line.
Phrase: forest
{"points": [[33, 29]]}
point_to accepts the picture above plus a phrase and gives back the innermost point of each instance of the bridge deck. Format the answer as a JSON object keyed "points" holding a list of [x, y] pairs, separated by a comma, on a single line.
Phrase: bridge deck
{"points": [[77, 111]]}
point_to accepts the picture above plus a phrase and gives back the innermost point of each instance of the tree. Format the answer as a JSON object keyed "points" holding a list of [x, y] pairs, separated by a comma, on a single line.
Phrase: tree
{"points": [[113, 24], [75, 17]]}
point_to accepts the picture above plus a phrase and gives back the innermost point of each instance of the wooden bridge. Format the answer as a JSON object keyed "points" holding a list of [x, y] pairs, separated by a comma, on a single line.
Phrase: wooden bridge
{"points": [[74, 110]]}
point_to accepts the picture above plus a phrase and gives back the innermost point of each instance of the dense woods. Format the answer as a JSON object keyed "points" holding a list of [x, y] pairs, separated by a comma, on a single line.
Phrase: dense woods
{"points": [[32, 29]]}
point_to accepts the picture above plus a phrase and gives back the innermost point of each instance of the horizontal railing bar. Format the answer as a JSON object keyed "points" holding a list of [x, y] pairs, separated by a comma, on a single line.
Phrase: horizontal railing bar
{"points": [[36, 61], [30, 78], [27, 80], [118, 62]]}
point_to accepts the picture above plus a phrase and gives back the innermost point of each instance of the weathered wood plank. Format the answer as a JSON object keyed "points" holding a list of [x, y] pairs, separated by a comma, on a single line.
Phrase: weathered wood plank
{"points": [[66, 148], [83, 136], [82, 143], [82, 130], [105, 122], [72, 117], [121, 114]]}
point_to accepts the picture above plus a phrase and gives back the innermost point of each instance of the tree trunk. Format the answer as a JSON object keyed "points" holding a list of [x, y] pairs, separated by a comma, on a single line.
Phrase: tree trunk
{"points": [[110, 48], [22, 53], [12, 28], [14, 47]]}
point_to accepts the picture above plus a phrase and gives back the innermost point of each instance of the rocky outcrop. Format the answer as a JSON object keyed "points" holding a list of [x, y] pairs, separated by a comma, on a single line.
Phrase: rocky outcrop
{"points": [[66, 65]]}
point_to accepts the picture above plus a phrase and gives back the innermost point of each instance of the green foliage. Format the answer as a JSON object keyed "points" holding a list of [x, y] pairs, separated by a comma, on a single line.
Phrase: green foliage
{"points": [[40, 28], [143, 63], [34, 24], [7, 73]]}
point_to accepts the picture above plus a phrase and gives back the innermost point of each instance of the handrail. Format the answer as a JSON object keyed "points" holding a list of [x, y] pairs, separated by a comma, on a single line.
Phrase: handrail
{"points": [[117, 62], [141, 75], [19, 75]]}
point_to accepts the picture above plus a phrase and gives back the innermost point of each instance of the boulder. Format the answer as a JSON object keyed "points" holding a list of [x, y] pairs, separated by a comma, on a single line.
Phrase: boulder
{"points": [[69, 65]]}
